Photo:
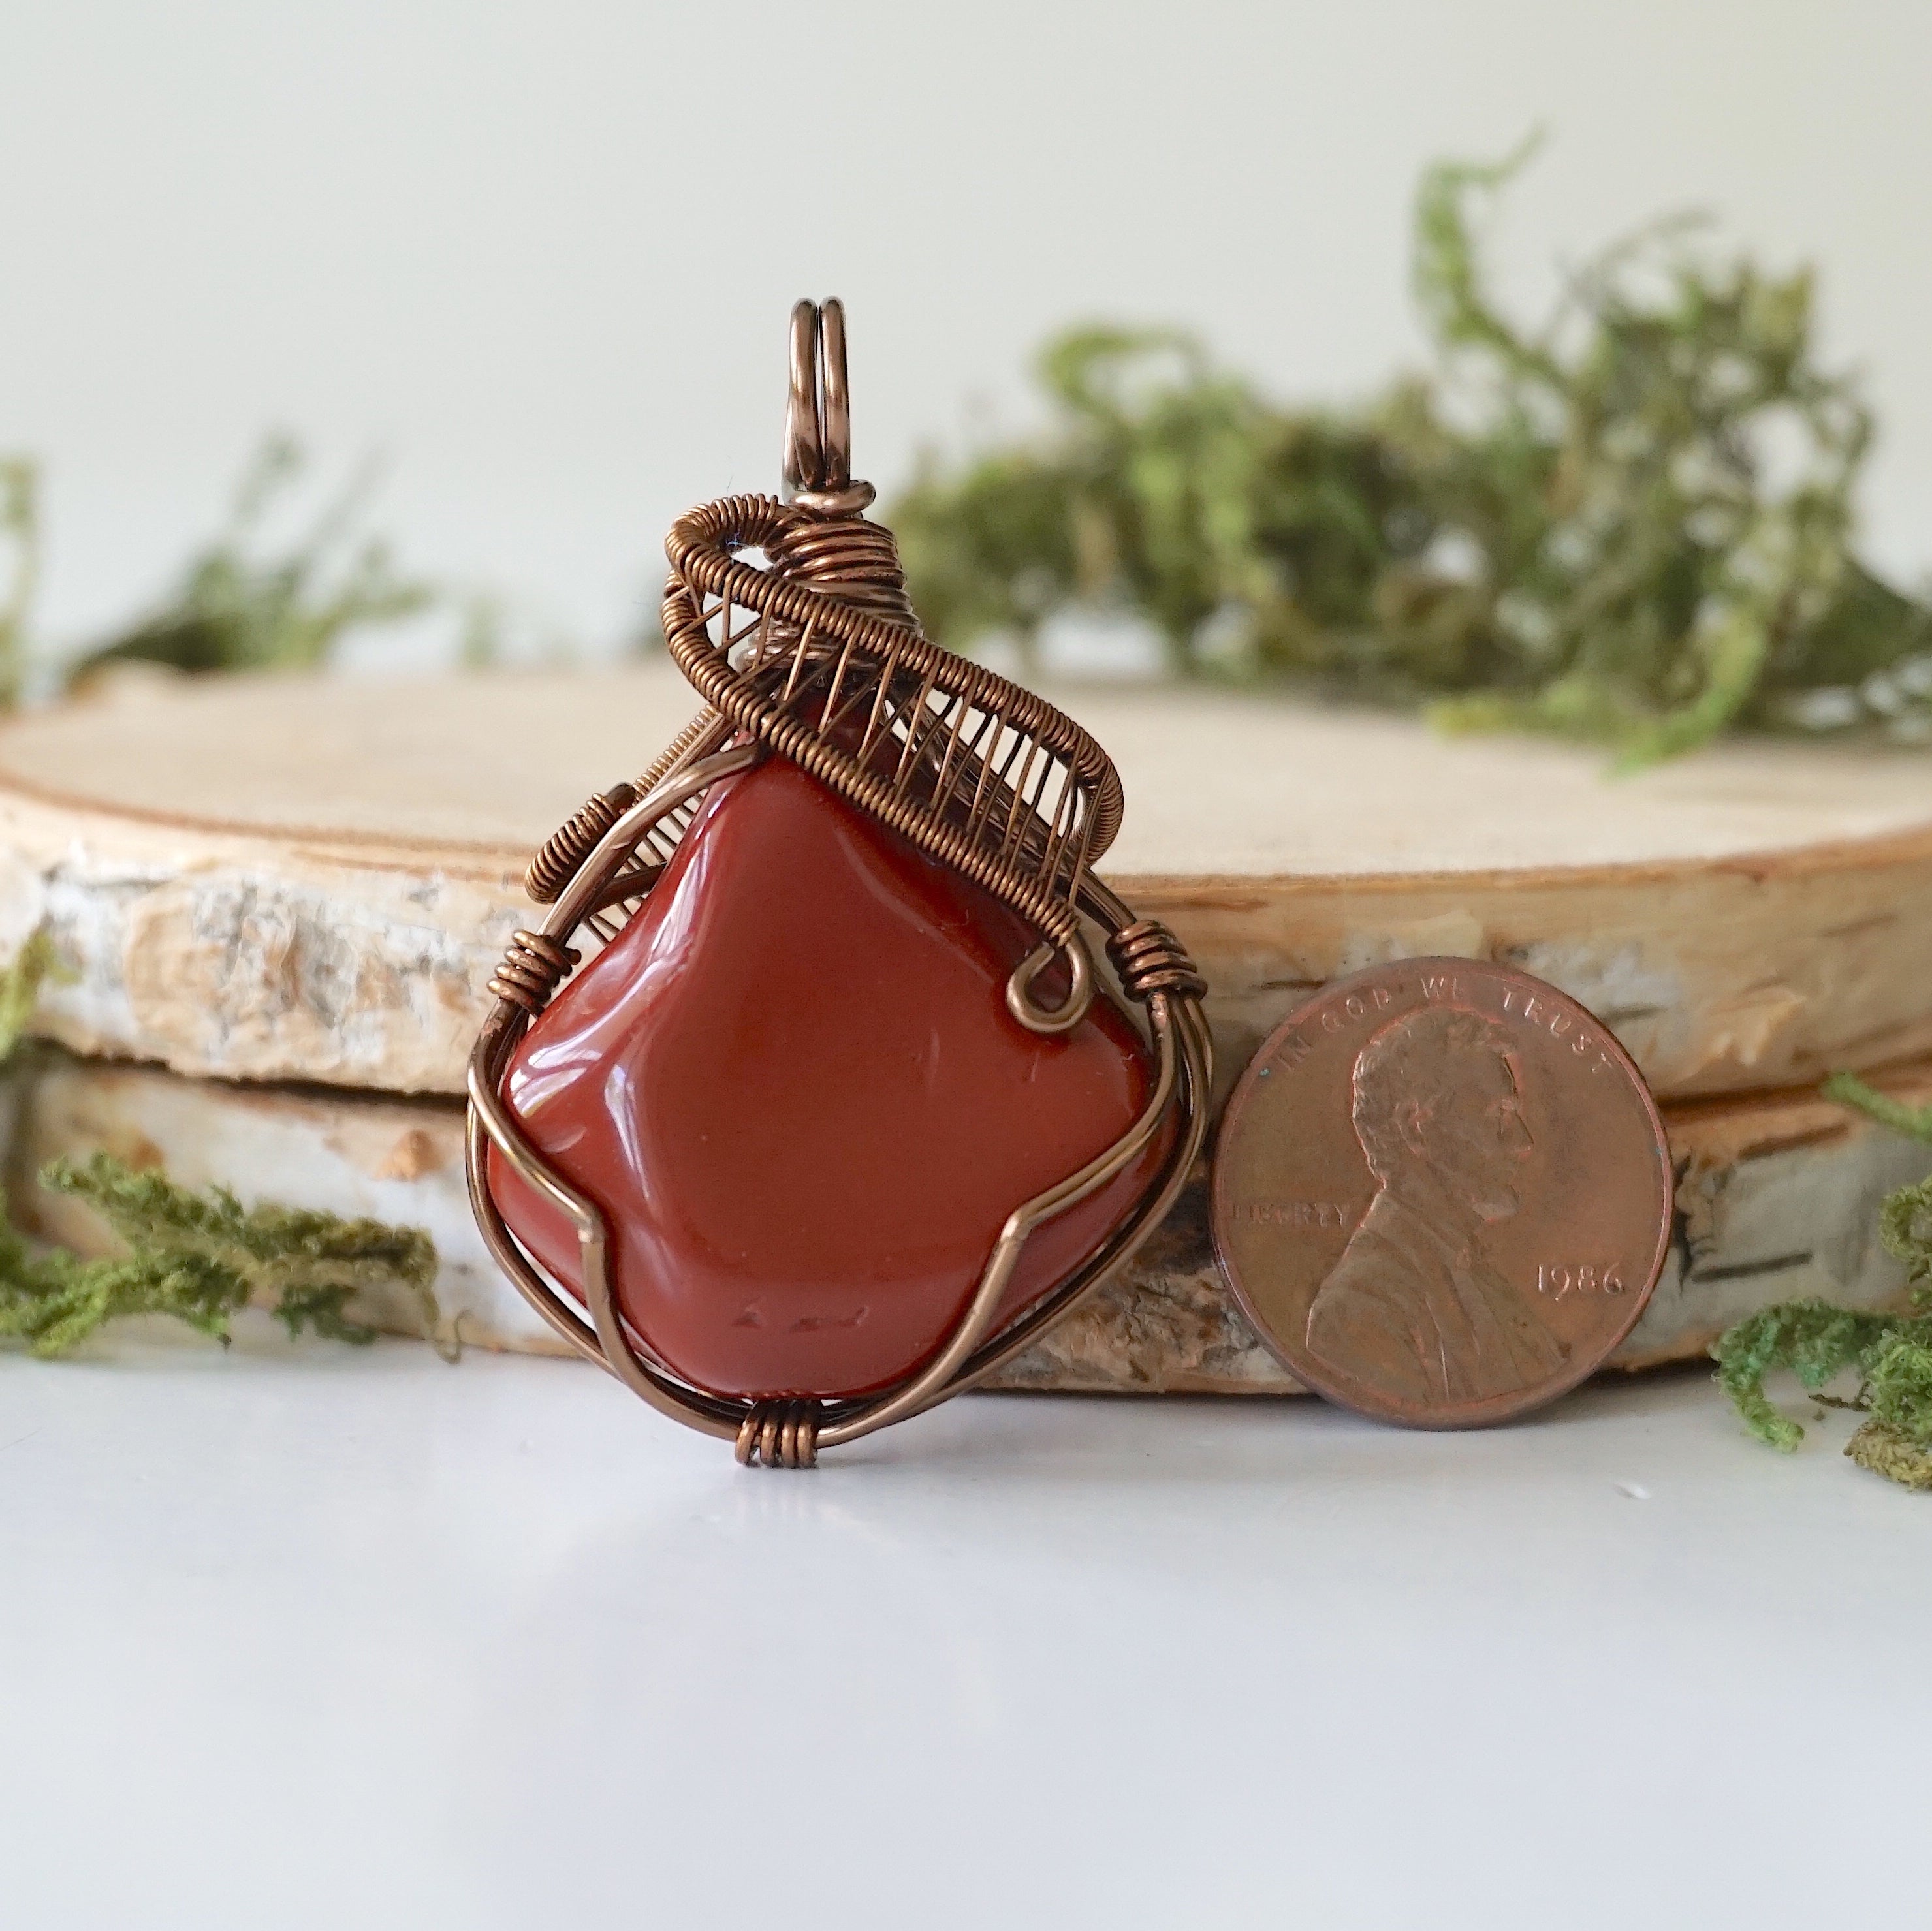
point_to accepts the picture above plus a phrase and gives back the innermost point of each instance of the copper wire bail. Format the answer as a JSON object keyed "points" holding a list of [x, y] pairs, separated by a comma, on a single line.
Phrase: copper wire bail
{"points": [[831, 544], [830, 669]]}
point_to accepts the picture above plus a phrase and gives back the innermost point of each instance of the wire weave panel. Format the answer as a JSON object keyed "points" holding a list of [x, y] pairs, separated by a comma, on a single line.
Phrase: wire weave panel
{"points": [[989, 779]]}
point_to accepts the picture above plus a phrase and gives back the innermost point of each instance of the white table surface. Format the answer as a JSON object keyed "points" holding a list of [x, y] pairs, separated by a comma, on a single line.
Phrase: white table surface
{"points": [[307, 1637]]}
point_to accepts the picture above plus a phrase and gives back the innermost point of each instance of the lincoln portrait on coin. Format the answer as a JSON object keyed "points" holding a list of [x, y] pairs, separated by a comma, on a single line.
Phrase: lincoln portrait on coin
{"points": [[1414, 1306]]}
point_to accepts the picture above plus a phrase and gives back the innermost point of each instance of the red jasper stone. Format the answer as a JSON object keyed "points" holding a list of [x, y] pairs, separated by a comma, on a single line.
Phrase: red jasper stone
{"points": [[793, 1084]]}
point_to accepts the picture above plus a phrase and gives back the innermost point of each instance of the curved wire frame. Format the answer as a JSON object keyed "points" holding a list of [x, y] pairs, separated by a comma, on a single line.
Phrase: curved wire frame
{"points": [[818, 657]]}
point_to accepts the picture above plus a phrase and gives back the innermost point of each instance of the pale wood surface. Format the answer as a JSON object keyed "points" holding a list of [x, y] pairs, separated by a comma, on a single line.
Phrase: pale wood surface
{"points": [[1216, 784], [288, 879], [1778, 1196]]}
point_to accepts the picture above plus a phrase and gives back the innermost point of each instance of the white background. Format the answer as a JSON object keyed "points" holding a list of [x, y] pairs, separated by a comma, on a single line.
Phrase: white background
{"points": [[542, 256], [305, 1639]]}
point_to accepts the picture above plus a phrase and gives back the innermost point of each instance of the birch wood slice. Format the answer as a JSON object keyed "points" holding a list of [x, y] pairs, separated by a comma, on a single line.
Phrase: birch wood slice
{"points": [[1777, 1196], [289, 879]]}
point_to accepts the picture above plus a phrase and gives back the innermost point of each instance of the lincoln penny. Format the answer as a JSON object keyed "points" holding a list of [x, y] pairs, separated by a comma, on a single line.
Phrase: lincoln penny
{"points": [[1442, 1193]]}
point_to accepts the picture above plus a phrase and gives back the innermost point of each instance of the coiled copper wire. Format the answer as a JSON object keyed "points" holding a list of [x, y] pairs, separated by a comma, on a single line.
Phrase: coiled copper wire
{"points": [[566, 848], [1005, 850], [704, 733], [845, 556], [1149, 959], [779, 1434], [533, 968]]}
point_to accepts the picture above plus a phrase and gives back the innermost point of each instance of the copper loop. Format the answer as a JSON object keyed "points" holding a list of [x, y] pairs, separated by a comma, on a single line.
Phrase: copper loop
{"points": [[818, 409], [566, 848], [1071, 1010], [835, 399]]}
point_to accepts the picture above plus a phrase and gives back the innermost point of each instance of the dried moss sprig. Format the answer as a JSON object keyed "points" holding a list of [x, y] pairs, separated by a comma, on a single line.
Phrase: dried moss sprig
{"points": [[1816, 1340], [1891, 1353], [198, 1258], [236, 609], [1633, 523], [37, 963], [201, 1256]]}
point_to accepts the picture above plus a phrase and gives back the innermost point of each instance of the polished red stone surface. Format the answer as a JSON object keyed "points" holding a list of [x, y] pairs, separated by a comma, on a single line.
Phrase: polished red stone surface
{"points": [[793, 1084]]}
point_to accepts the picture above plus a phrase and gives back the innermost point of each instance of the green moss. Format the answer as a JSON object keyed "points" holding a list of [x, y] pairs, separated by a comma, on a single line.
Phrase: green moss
{"points": [[38, 962], [1891, 1354], [1888, 1452], [198, 1258], [1817, 1342], [1576, 526], [201, 1256], [1914, 1122], [1905, 1226], [235, 608]]}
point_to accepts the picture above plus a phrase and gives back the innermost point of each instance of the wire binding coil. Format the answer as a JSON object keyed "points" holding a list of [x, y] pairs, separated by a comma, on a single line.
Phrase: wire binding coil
{"points": [[846, 557], [1149, 959], [779, 1434], [533, 968], [566, 848]]}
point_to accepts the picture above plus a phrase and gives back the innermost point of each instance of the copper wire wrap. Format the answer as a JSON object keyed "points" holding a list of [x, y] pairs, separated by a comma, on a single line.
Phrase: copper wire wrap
{"points": [[533, 968], [779, 1434], [989, 779], [1149, 959], [572, 842], [818, 657], [845, 556]]}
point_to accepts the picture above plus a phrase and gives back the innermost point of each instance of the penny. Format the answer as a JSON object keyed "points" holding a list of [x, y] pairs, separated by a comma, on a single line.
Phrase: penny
{"points": [[1441, 1193]]}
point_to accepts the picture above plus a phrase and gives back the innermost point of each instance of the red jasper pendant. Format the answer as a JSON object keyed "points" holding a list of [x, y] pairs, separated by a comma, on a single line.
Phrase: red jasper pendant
{"points": [[838, 1118], [793, 1084]]}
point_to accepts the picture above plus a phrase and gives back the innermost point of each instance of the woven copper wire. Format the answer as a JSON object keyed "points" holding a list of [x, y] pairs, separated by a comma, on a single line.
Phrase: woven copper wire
{"points": [[952, 757], [988, 829]]}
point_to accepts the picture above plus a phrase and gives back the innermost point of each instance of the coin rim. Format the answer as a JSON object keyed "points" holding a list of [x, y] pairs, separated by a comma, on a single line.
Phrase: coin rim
{"points": [[1493, 1409]]}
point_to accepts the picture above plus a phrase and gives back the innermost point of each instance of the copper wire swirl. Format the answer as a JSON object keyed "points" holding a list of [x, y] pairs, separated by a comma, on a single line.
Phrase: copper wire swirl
{"points": [[566, 848], [1022, 807], [533, 968], [1149, 959], [1028, 871], [779, 1434]]}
